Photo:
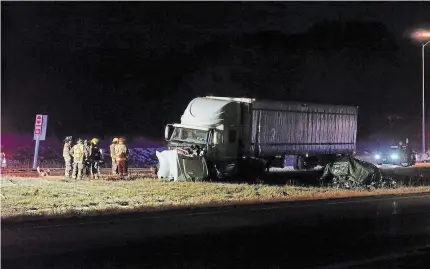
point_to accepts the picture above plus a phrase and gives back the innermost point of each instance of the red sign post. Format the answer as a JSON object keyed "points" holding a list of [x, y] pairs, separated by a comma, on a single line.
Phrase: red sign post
{"points": [[37, 133]]}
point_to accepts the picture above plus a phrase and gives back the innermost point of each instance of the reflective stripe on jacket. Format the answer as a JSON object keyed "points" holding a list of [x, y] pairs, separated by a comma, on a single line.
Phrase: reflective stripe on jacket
{"points": [[78, 152], [112, 151]]}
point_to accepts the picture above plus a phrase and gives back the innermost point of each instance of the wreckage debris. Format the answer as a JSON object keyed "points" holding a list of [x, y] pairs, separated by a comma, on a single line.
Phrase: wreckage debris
{"points": [[347, 172]]}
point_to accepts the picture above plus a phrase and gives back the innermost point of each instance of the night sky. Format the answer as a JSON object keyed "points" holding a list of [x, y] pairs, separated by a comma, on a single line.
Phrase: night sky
{"points": [[130, 68]]}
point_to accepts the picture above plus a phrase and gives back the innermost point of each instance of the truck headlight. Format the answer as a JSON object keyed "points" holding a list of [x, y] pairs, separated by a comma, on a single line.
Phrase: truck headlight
{"points": [[394, 156], [377, 156]]}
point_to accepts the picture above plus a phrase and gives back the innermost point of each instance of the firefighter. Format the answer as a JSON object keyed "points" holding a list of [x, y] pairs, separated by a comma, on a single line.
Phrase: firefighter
{"points": [[410, 156], [401, 150], [112, 155], [67, 157], [87, 161], [96, 158], [121, 155], [78, 152], [406, 152]]}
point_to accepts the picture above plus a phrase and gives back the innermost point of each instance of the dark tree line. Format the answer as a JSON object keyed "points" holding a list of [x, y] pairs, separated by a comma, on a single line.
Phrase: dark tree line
{"points": [[126, 75]]}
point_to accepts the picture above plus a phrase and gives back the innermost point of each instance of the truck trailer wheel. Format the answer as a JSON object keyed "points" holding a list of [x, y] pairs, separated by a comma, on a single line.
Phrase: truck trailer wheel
{"points": [[306, 163], [252, 170], [214, 174], [300, 163]]}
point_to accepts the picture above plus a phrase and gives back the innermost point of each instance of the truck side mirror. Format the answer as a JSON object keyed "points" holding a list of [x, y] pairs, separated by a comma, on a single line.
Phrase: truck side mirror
{"points": [[167, 132], [216, 138]]}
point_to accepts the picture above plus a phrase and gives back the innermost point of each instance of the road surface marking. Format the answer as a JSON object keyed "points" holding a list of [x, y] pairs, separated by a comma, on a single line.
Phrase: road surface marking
{"points": [[405, 253]]}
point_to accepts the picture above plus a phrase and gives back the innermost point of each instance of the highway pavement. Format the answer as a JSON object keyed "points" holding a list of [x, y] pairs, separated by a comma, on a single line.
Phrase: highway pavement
{"points": [[370, 232]]}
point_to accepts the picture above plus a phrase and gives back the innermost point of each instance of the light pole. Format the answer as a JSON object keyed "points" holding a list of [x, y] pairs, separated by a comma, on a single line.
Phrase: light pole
{"points": [[423, 46], [423, 36]]}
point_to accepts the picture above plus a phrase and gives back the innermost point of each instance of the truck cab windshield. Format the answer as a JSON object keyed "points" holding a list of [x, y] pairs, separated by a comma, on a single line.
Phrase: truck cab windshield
{"points": [[189, 135]]}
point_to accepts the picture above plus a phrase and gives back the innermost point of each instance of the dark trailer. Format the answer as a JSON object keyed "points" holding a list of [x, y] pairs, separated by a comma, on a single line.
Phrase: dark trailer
{"points": [[313, 132]]}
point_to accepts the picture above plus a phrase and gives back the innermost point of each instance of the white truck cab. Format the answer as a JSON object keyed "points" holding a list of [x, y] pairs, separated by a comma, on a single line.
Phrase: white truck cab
{"points": [[229, 130]]}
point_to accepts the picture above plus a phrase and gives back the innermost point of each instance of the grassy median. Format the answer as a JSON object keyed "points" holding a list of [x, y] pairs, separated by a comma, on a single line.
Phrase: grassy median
{"points": [[28, 198]]}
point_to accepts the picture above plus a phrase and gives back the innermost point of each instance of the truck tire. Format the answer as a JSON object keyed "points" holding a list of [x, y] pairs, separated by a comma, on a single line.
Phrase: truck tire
{"points": [[259, 174], [252, 170], [300, 163], [213, 172], [306, 163]]}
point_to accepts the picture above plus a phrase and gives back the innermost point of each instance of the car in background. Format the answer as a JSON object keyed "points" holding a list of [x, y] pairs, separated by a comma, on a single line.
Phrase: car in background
{"points": [[395, 155]]}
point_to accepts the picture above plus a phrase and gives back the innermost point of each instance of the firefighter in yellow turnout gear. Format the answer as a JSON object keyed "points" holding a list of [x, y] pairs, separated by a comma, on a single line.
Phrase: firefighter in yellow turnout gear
{"points": [[67, 157], [121, 155], [78, 152], [113, 156]]}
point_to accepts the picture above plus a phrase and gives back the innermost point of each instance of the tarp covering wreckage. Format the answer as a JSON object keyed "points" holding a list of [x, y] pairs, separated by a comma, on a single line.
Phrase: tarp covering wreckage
{"points": [[344, 172], [348, 172], [181, 167]]}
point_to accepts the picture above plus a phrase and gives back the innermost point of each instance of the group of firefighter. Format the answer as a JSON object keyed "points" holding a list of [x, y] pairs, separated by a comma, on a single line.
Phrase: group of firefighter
{"points": [[85, 158]]}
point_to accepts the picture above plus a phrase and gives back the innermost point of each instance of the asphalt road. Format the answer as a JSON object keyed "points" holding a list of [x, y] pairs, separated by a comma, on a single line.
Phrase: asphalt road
{"points": [[380, 232]]}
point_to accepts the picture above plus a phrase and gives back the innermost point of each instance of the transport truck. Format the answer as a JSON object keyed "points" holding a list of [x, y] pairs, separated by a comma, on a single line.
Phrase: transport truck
{"points": [[239, 134]]}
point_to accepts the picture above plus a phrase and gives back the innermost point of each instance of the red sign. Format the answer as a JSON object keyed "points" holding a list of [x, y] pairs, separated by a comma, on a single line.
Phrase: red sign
{"points": [[38, 120], [38, 125]]}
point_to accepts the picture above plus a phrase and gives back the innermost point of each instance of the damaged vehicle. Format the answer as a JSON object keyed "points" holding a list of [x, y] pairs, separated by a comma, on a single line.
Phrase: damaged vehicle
{"points": [[245, 137], [347, 172]]}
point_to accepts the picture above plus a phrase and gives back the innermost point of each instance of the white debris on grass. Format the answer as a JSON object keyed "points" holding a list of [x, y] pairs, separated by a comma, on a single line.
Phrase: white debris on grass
{"points": [[423, 157], [291, 168]]}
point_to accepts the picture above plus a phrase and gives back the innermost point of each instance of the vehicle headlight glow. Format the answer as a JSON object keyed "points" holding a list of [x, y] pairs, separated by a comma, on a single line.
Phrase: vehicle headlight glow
{"points": [[377, 156], [394, 156]]}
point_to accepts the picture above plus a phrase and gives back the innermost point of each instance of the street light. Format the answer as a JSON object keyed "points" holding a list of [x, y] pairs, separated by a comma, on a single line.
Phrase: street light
{"points": [[423, 36]]}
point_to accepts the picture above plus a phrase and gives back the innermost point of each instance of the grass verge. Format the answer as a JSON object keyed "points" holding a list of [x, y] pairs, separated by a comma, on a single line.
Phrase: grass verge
{"points": [[24, 198]]}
